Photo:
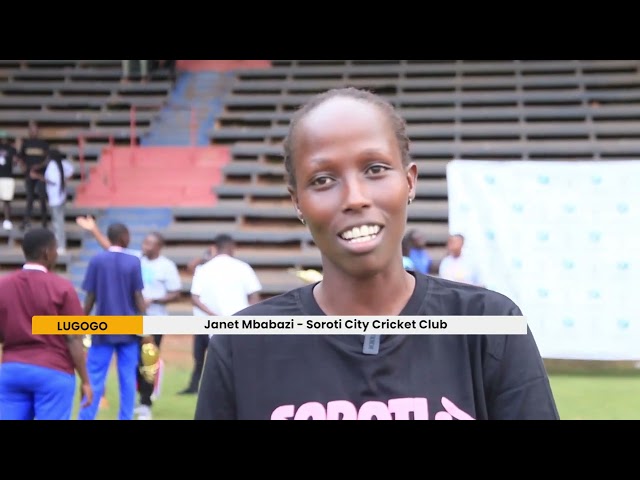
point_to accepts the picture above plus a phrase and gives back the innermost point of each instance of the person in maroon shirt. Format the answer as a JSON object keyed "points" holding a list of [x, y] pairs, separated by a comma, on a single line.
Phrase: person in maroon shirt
{"points": [[38, 372]]}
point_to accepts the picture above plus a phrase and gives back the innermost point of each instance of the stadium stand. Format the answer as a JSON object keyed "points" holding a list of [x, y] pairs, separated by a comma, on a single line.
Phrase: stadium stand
{"points": [[71, 99], [494, 110]]}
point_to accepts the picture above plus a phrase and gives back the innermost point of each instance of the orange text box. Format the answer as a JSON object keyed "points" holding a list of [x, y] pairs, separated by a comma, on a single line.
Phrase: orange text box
{"points": [[86, 325]]}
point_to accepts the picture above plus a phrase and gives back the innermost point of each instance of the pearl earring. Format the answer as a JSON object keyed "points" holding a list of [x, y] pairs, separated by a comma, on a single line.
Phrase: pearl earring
{"points": [[302, 221], [410, 200]]}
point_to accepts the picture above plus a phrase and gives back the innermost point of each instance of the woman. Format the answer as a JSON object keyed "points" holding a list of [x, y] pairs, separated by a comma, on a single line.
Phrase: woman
{"points": [[351, 180]]}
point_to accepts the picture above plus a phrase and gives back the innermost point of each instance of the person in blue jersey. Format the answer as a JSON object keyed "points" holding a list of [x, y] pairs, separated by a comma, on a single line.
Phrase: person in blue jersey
{"points": [[162, 286], [113, 285], [352, 180]]}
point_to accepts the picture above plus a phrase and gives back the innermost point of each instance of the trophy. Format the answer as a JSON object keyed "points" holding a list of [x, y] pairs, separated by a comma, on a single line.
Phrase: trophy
{"points": [[150, 355]]}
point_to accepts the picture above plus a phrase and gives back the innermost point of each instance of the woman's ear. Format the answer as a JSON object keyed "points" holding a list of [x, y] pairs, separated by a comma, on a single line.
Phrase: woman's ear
{"points": [[294, 200], [412, 179]]}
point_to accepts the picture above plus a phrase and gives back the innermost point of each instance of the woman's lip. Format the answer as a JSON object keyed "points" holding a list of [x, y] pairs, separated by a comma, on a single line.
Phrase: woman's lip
{"points": [[373, 224], [362, 247]]}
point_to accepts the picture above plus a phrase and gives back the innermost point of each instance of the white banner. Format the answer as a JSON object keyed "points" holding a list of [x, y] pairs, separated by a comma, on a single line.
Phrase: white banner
{"points": [[278, 325], [349, 325], [561, 239]]}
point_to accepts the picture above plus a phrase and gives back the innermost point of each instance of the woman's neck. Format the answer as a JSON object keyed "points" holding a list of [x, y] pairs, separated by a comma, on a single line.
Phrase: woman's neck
{"points": [[383, 294]]}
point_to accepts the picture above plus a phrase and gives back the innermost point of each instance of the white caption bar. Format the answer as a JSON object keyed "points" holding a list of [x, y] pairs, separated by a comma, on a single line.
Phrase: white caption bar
{"points": [[343, 325]]}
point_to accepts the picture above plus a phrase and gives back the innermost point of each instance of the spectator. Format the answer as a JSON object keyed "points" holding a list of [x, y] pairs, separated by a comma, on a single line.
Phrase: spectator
{"points": [[224, 284], [200, 342], [113, 284], [33, 156], [38, 374], [456, 266], [162, 285], [7, 182], [408, 264], [56, 174], [419, 254], [126, 70]]}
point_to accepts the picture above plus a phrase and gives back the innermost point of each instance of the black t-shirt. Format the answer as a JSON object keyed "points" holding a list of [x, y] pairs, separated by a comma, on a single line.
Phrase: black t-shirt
{"points": [[441, 377], [7, 152], [33, 152]]}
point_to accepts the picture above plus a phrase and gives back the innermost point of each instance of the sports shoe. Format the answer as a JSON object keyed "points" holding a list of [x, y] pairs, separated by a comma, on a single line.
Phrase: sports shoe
{"points": [[143, 412]]}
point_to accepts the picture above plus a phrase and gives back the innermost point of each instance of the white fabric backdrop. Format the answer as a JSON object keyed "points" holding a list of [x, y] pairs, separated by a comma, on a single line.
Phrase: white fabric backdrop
{"points": [[561, 239]]}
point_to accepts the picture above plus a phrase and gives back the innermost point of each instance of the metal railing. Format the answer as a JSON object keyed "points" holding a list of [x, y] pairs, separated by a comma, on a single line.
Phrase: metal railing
{"points": [[133, 145], [82, 140]]}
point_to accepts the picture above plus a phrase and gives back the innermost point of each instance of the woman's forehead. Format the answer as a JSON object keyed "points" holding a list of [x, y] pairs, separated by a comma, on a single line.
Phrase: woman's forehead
{"points": [[343, 118], [338, 108]]}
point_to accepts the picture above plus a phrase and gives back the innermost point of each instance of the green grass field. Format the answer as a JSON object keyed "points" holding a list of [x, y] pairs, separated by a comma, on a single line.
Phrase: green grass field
{"points": [[582, 392], [600, 396], [169, 406]]}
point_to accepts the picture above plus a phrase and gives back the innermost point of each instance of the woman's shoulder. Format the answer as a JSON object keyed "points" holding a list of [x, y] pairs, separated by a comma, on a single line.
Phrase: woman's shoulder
{"points": [[288, 303], [454, 298]]}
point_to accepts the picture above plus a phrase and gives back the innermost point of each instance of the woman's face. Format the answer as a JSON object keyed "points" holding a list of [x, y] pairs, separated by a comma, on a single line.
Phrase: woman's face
{"points": [[352, 189]]}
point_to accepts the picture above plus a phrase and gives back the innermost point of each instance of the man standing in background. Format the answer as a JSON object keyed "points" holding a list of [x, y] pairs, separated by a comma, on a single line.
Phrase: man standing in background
{"points": [[200, 342], [7, 182], [38, 374], [225, 285], [33, 155], [113, 283], [162, 285]]}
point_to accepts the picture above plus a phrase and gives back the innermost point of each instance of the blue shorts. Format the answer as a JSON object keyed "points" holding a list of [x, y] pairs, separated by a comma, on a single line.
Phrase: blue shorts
{"points": [[31, 392]]}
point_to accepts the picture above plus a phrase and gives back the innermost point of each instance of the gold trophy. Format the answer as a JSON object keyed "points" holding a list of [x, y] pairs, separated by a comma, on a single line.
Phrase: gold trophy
{"points": [[150, 355]]}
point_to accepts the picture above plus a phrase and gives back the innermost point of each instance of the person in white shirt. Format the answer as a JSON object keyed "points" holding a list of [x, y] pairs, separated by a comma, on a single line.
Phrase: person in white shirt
{"points": [[225, 285], [200, 342], [56, 173], [457, 267]]}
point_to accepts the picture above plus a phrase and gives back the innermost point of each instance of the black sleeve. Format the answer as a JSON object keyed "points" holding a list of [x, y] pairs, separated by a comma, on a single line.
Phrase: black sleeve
{"points": [[519, 387], [216, 395]]}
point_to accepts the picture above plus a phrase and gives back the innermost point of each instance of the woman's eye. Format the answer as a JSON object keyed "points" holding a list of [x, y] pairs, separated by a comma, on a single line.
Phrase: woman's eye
{"points": [[375, 169], [320, 181]]}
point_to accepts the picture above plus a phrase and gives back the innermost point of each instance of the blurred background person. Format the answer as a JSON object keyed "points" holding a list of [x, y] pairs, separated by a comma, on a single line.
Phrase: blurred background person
{"points": [[407, 244], [7, 182], [126, 70], [418, 252], [162, 285], [113, 284], [225, 285], [456, 266], [33, 156], [57, 172], [38, 373], [200, 342]]}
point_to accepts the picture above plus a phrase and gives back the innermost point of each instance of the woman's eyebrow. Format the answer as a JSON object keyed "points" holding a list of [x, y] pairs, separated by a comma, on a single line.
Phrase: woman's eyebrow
{"points": [[320, 162]]}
